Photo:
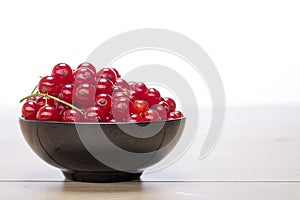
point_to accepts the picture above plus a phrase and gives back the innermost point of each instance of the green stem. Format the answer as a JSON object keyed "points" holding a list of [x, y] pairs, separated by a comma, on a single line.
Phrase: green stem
{"points": [[54, 98], [34, 89]]}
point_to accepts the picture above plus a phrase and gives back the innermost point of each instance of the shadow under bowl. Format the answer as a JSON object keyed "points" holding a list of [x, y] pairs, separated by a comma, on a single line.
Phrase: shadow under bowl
{"points": [[102, 152]]}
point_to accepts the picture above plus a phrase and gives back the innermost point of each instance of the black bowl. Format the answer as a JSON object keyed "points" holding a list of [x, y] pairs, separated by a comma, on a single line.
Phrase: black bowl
{"points": [[93, 155]]}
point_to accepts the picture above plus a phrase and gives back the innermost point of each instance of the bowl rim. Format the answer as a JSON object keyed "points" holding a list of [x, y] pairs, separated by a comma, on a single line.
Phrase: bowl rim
{"points": [[21, 118]]}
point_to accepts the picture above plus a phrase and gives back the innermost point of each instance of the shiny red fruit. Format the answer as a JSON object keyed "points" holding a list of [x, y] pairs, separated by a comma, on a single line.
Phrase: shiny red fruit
{"points": [[107, 73], [84, 75], [71, 115], [66, 93], [103, 101], [112, 121], [91, 114], [140, 87], [135, 95], [175, 115], [121, 109], [49, 85], [140, 106], [151, 115], [42, 101], [84, 95], [104, 86], [152, 96], [87, 65], [60, 107], [63, 72], [116, 72], [131, 84], [116, 95], [94, 114], [122, 83], [117, 89], [171, 103], [135, 118], [162, 110], [48, 113], [108, 117], [29, 110]]}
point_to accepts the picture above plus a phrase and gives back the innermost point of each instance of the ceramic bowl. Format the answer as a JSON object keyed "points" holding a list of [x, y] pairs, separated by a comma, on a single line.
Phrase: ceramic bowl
{"points": [[102, 152]]}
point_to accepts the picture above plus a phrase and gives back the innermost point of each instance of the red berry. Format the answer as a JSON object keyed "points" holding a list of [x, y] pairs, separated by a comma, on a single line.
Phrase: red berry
{"points": [[140, 87], [104, 86], [175, 115], [112, 121], [63, 72], [108, 117], [122, 83], [178, 114], [66, 93], [135, 118], [116, 72], [130, 84], [135, 95], [49, 85], [104, 102], [107, 73], [84, 95], [151, 115], [60, 107], [84, 75], [171, 103], [91, 114], [87, 65], [47, 113], [122, 108], [152, 96], [117, 89], [29, 110], [94, 114], [117, 95], [140, 106], [162, 109], [41, 101], [165, 105], [71, 115]]}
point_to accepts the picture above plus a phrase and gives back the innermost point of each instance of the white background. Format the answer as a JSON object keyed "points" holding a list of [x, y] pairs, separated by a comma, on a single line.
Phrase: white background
{"points": [[254, 44]]}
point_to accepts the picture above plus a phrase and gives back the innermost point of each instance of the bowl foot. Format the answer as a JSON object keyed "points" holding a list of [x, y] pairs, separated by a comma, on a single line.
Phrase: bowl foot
{"points": [[101, 177]]}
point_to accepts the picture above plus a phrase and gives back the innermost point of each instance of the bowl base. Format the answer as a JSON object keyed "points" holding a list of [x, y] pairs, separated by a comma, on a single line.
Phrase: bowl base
{"points": [[101, 177]]}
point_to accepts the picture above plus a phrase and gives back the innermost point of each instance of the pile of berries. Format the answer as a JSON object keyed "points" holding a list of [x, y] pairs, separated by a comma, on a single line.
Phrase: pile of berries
{"points": [[85, 95]]}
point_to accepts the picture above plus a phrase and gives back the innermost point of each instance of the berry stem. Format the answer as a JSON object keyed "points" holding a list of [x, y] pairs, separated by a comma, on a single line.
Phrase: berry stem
{"points": [[34, 89], [54, 98]]}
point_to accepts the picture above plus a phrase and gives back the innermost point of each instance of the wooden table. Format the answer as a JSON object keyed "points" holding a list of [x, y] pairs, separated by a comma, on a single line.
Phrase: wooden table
{"points": [[256, 158]]}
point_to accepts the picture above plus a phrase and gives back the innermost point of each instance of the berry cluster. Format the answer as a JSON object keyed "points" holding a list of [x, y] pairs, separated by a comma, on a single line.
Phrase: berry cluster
{"points": [[85, 95]]}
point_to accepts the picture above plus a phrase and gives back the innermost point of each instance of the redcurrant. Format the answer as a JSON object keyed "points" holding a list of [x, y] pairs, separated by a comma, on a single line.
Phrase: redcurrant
{"points": [[152, 96], [84, 95], [84, 75], [47, 113], [63, 72], [104, 86], [151, 115], [107, 73], [104, 102], [71, 115], [87, 65], [49, 85], [171, 103], [29, 110], [140, 106]]}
